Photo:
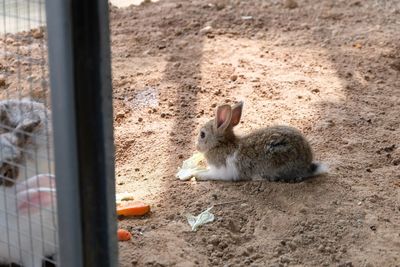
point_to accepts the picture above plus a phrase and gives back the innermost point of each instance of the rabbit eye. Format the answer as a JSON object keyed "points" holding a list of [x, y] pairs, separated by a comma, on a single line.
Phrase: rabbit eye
{"points": [[202, 134]]}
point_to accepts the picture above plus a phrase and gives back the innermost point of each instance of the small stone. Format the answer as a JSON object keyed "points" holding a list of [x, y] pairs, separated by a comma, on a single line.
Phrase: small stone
{"points": [[214, 239], [321, 248], [140, 119], [250, 249], [244, 253], [2, 81], [137, 169], [9, 41], [291, 4], [292, 246], [222, 245], [315, 91], [205, 30], [395, 65], [346, 264], [234, 77], [120, 115], [396, 162], [162, 115], [284, 259], [373, 227], [37, 33], [220, 6]]}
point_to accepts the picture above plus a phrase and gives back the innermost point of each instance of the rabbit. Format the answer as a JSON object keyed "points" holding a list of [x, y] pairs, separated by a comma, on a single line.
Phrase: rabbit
{"points": [[276, 153], [28, 221], [26, 143]]}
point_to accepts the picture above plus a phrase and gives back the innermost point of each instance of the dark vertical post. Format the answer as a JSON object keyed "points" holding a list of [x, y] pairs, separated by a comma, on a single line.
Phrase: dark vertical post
{"points": [[80, 72], [93, 98]]}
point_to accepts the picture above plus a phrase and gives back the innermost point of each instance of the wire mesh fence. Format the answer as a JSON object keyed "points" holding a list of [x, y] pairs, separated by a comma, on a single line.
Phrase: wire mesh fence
{"points": [[28, 221]]}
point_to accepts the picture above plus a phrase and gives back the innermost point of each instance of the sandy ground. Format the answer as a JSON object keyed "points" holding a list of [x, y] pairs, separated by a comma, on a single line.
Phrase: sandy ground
{"points": [[329, 68]]}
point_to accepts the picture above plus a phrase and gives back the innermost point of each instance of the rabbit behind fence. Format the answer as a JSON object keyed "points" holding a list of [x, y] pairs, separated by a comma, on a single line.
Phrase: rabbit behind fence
{"points": [[277, 153], [26, 145], [28, 221]]}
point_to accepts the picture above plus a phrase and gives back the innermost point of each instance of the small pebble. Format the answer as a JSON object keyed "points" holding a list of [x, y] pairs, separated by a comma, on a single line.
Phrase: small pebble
{"points": [[37, 34], [214, 240], [291, 4], [284, 259], [206, 30], [2, 81], [292, 246], [120, 115]]}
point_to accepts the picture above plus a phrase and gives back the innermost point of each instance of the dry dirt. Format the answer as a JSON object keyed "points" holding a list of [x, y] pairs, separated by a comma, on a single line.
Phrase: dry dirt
{"points": [[329, 68]]}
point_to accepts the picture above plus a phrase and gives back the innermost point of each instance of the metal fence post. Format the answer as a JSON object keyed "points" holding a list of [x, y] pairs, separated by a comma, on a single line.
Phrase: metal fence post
{"points": [[80, 75]]}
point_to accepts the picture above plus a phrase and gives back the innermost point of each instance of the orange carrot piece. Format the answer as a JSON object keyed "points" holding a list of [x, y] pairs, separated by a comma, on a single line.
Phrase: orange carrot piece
{"points": [[123, 235], [133, 209]]}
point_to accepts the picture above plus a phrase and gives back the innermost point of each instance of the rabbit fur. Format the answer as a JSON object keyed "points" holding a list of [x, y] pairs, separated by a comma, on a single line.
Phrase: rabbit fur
{"points": [[26, 144], [276, 153], [28, 221]]}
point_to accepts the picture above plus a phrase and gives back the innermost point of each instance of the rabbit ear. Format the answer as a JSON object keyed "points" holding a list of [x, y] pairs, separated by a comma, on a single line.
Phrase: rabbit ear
{"points": [[31, 200], [223, 117], [4, 118], [37, 181], [27, 125], [236, 113]]}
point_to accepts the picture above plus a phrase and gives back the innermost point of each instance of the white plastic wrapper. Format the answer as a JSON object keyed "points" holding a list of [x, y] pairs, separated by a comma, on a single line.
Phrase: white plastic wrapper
{"points": [[203, 218], [191, 167]]}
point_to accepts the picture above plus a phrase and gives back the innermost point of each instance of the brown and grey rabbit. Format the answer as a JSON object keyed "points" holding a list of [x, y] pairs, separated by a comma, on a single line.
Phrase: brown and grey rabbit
{"points": [[25, 140], [276, 153]]}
